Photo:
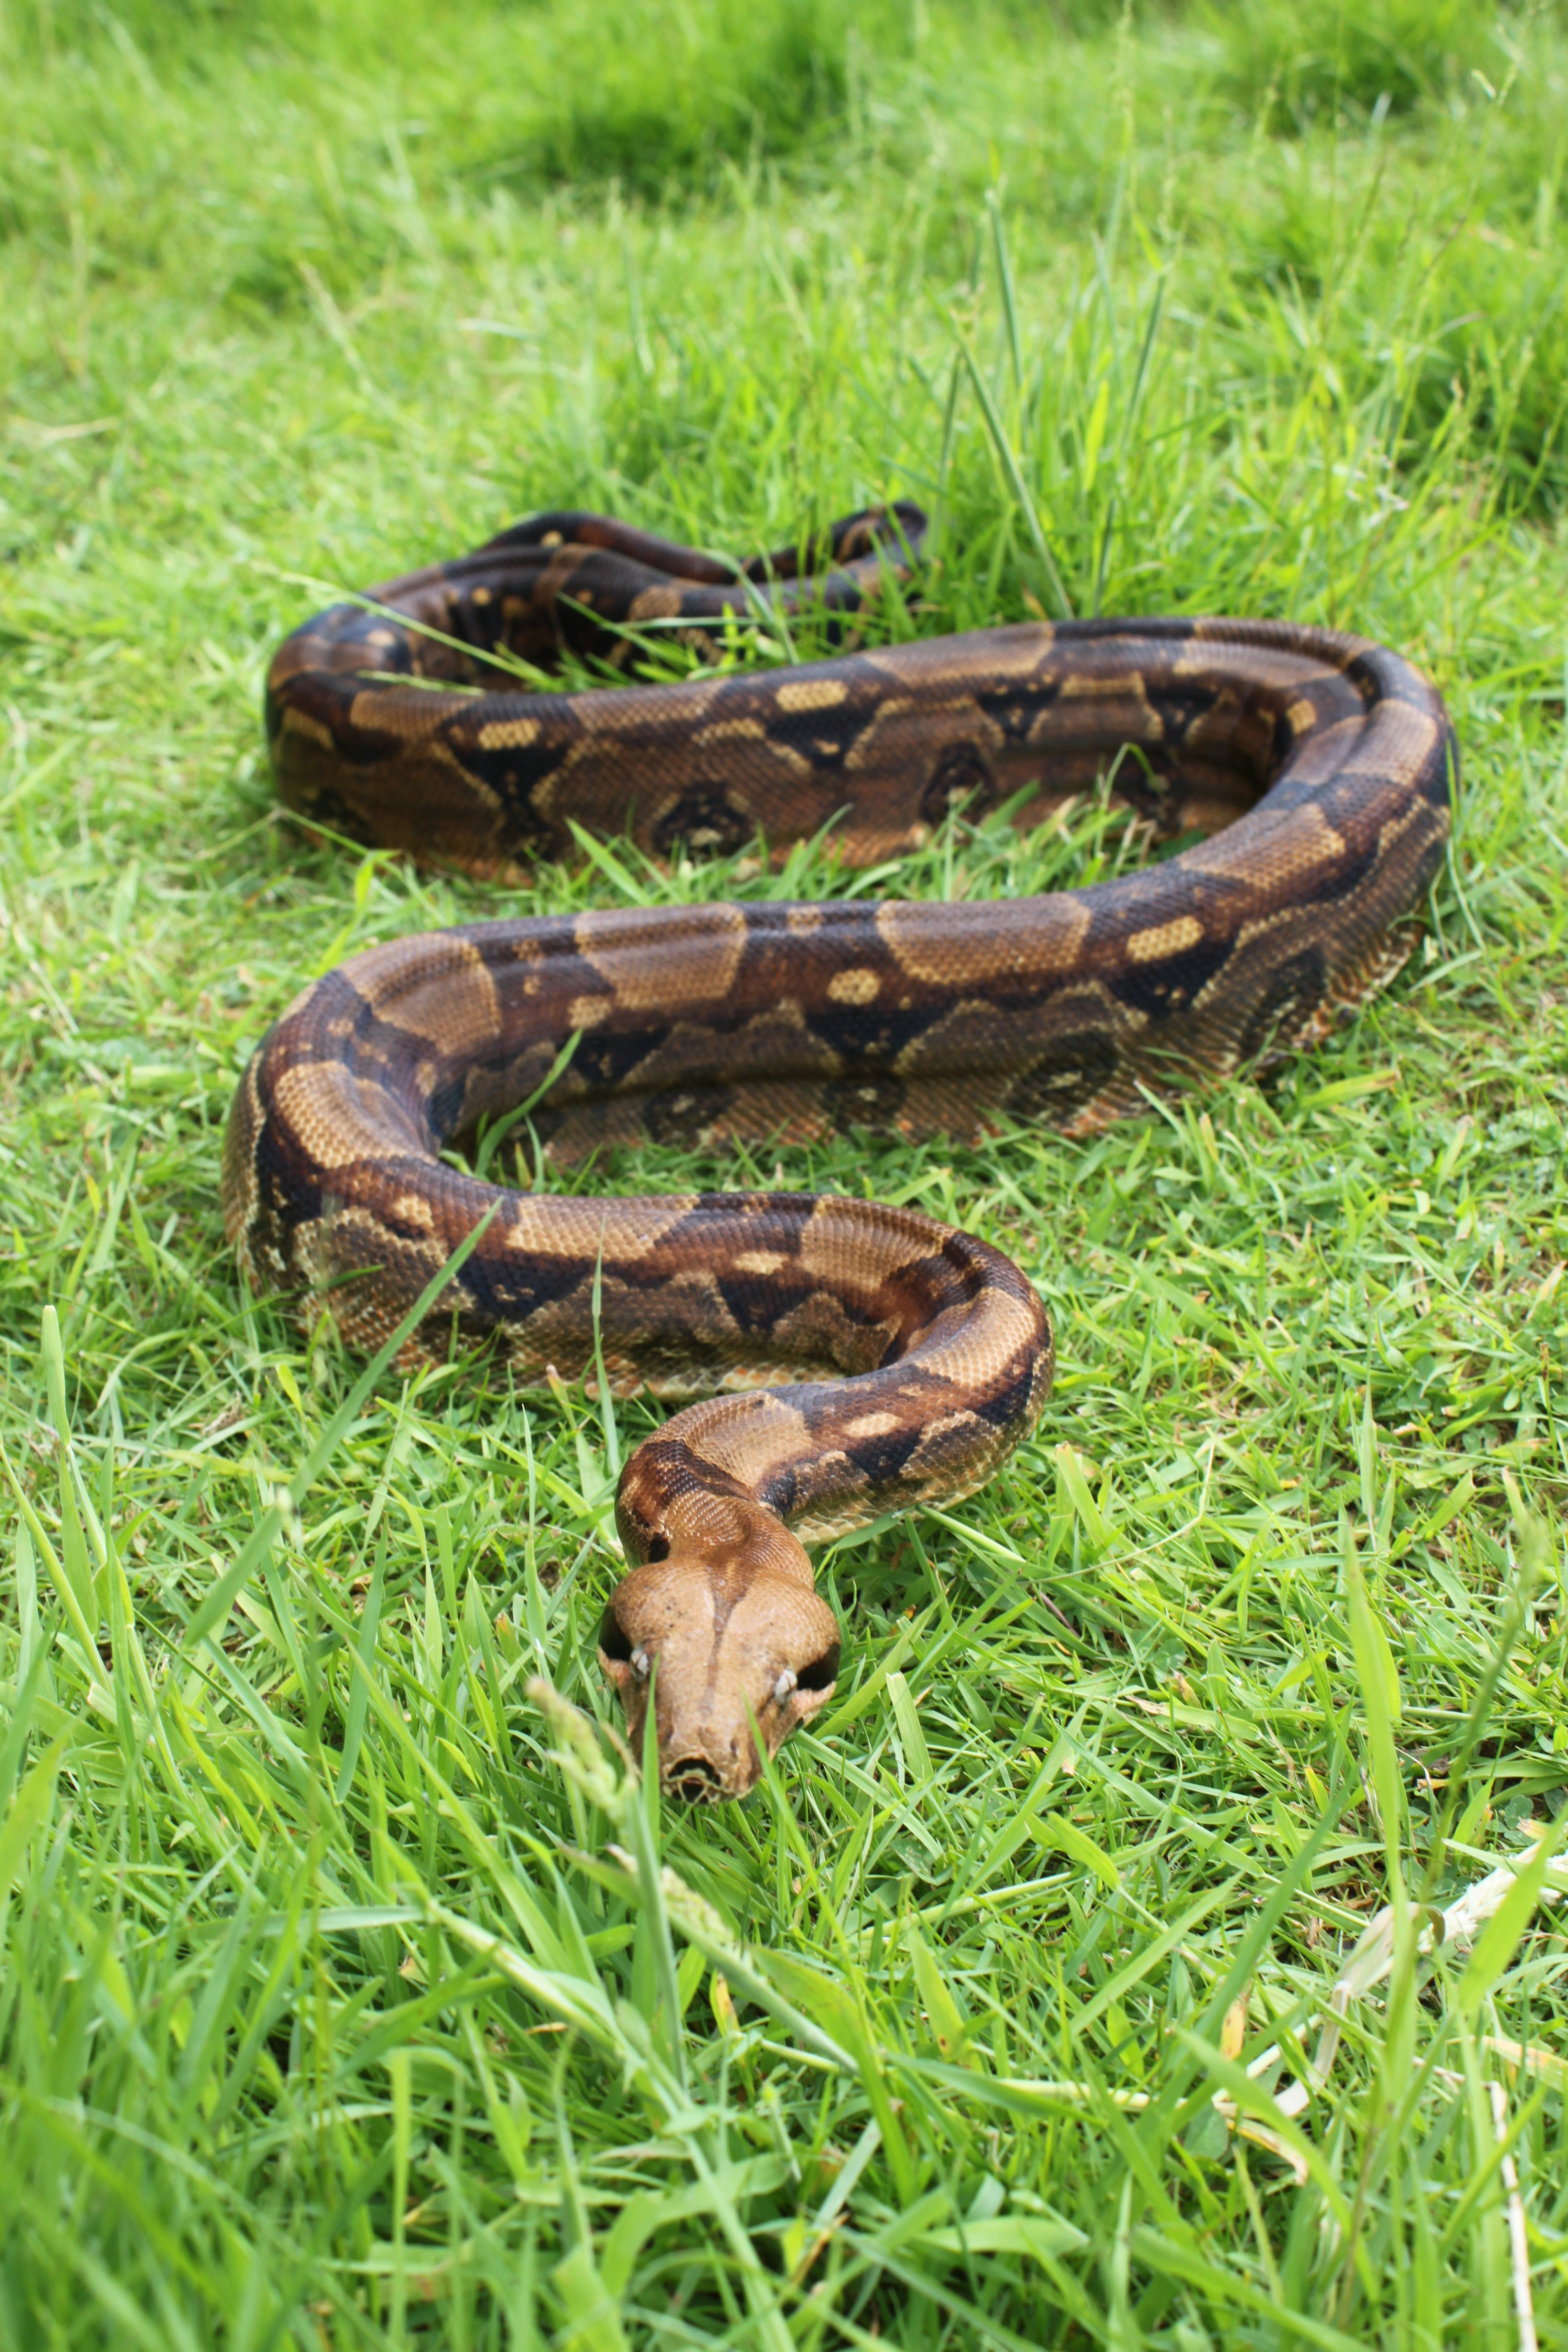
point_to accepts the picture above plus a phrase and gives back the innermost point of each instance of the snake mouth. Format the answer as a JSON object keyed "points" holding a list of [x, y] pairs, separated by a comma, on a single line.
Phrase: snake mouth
{"points": [[694, 1780]]}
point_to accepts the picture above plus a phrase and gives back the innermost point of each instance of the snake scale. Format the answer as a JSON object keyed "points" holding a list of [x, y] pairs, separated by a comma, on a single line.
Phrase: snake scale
{"points": [[853, 1358]]}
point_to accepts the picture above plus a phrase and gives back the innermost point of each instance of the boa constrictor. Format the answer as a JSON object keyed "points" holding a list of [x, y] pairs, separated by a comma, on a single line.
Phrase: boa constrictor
{"points": [[1313, 771]]}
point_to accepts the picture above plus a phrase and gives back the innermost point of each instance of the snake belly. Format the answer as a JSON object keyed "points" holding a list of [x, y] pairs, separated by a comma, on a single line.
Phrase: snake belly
{"points": [[852, 1358]]}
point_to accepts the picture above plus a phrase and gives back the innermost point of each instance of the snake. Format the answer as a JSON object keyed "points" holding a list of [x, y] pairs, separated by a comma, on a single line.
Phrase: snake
{"points": [[847, 1359]]}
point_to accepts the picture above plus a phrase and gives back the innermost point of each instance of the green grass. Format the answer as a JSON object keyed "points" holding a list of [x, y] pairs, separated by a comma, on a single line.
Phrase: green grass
{"points": [[330, 2014]]}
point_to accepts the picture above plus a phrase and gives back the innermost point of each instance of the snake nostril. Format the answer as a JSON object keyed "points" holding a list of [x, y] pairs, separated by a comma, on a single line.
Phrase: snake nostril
{"points": [[822, 1672], [694, 1780], [613, 1639]]}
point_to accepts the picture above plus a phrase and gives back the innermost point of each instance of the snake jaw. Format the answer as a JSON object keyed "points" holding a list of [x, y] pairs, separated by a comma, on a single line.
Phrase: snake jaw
{"points": [[739, 1639]]}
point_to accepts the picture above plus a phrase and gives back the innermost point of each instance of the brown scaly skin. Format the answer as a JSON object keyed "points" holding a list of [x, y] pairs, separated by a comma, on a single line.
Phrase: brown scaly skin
{"points": [[739, 1637], [1316, 769]]}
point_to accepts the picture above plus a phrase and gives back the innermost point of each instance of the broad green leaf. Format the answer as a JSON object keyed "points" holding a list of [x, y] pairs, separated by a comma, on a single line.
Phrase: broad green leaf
{"points": [[916, 1753], [1012, 2233], [1499, 1939], [1075, 1486], [1380, 1699], [948, 2026], [28, 1809], [1058, 1835], [820, 1997]]}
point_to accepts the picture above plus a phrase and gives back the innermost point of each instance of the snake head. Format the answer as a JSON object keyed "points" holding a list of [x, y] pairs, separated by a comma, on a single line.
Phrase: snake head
{"points": [[723, 1636]]}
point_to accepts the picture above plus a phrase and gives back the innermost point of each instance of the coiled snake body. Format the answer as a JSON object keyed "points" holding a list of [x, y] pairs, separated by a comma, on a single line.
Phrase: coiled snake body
{"points": [[1314, 769]]}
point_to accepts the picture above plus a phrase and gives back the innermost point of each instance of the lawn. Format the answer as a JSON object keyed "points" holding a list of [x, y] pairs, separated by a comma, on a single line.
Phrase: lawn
{"points": [[352, 1993]]}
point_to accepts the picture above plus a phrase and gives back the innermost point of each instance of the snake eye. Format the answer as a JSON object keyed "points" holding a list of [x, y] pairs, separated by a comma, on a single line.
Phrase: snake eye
{"points": [[614, 1643], [821, 1672]]}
